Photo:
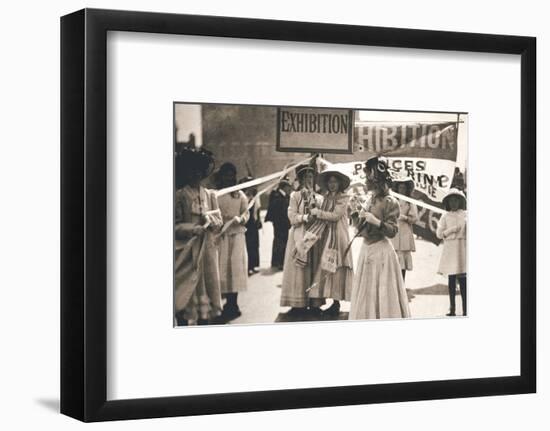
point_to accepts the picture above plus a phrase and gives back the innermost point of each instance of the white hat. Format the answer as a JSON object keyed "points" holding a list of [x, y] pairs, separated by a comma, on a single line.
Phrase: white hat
{"points": [[454, 192]]}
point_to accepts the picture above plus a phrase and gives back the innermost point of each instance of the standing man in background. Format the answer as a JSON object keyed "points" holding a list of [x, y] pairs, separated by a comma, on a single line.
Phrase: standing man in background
{"points": [[277, 213], [253, 226]]}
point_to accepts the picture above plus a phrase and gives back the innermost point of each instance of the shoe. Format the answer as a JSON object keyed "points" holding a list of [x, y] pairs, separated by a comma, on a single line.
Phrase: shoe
{"points": [[202, 321], [333, 310], [451, 313], [296, 311], [182, 322], [230, 313], [250, 272], [315, 311]]}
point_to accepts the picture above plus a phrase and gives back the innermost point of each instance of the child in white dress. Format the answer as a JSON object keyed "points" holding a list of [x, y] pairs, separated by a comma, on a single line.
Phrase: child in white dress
{"points": [[452, 230]]}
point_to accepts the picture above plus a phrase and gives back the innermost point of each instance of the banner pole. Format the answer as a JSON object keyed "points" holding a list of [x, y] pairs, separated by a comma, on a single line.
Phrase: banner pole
{"points": [[457, 124]]}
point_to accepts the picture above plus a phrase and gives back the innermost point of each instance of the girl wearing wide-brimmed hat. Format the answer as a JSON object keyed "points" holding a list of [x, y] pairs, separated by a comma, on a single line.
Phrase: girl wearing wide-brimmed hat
{"points": [[403, 241], [233, 254], [334, 275], [298, 276], [452, 230], [197, 296], [378, 290]]}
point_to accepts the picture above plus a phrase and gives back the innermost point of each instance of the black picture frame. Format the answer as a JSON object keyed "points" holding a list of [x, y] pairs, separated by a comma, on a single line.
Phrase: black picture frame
{"points": [[84, 214]]}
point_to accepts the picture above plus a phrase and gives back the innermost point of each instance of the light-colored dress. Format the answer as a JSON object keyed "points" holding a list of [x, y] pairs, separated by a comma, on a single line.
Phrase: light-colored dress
{"points": [[233, 255], [453, 257], [197, 279], [378, 290], [297, 279], [336, 285], [403, 242]]}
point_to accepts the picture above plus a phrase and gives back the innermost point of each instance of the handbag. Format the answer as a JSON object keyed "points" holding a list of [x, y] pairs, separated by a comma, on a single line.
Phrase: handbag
{"points": [[329, 259]]}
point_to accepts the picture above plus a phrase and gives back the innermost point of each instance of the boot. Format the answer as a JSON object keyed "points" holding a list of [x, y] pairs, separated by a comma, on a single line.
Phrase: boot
{"points": [[333, 310]]}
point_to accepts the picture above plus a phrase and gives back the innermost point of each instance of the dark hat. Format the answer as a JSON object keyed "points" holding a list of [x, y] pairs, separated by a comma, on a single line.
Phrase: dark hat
{"points": [[246, 179], [228, 167], [378, 163], [225, 168], [302, 169], [285, 181], [342, 178], [191, 158], [380, 166]]}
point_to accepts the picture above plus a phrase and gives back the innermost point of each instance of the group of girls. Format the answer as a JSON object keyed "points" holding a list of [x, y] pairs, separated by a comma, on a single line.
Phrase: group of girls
{"points": [[451, 230], [212, 263], [318, 228], [211, 260], [318, 261]]}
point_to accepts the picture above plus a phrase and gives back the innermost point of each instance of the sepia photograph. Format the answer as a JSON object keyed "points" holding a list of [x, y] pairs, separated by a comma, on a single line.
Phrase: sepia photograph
{"points": [[302, 214]]}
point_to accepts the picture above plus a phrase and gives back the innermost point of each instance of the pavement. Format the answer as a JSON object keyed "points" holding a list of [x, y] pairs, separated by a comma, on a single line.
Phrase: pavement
{"points": [[428, 292]]}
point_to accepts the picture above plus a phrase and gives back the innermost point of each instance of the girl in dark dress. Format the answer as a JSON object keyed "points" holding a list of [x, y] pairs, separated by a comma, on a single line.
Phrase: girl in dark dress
{"points": [[277, 213], [253, 226]]}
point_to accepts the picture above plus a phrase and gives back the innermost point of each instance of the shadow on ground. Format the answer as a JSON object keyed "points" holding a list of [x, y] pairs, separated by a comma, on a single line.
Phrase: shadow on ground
{"points": [[269, 271], [49, 403], [285, 317], [436, 289]]}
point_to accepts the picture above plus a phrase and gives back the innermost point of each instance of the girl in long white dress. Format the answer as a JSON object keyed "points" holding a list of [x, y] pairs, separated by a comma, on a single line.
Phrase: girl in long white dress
{"points": [[378, 290], [298, 277], [335, 279], [232, 246], [197, 296]]}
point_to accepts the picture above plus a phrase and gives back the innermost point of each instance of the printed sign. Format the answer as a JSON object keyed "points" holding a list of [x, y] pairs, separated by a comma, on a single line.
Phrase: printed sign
{"points": [[424, 152], [430, 141], [426, 225], [315, 130]]}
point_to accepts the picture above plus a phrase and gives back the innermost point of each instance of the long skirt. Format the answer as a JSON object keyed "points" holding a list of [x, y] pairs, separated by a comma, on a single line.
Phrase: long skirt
{"points": [[233, 263], [378, 291], [252, 236], [405, 259], [336, 286], [297, 279], [197, 279]]}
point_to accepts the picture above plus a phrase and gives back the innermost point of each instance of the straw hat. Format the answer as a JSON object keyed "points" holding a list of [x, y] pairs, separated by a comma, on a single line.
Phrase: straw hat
{"points": [[455, 192], [323, 177]]}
